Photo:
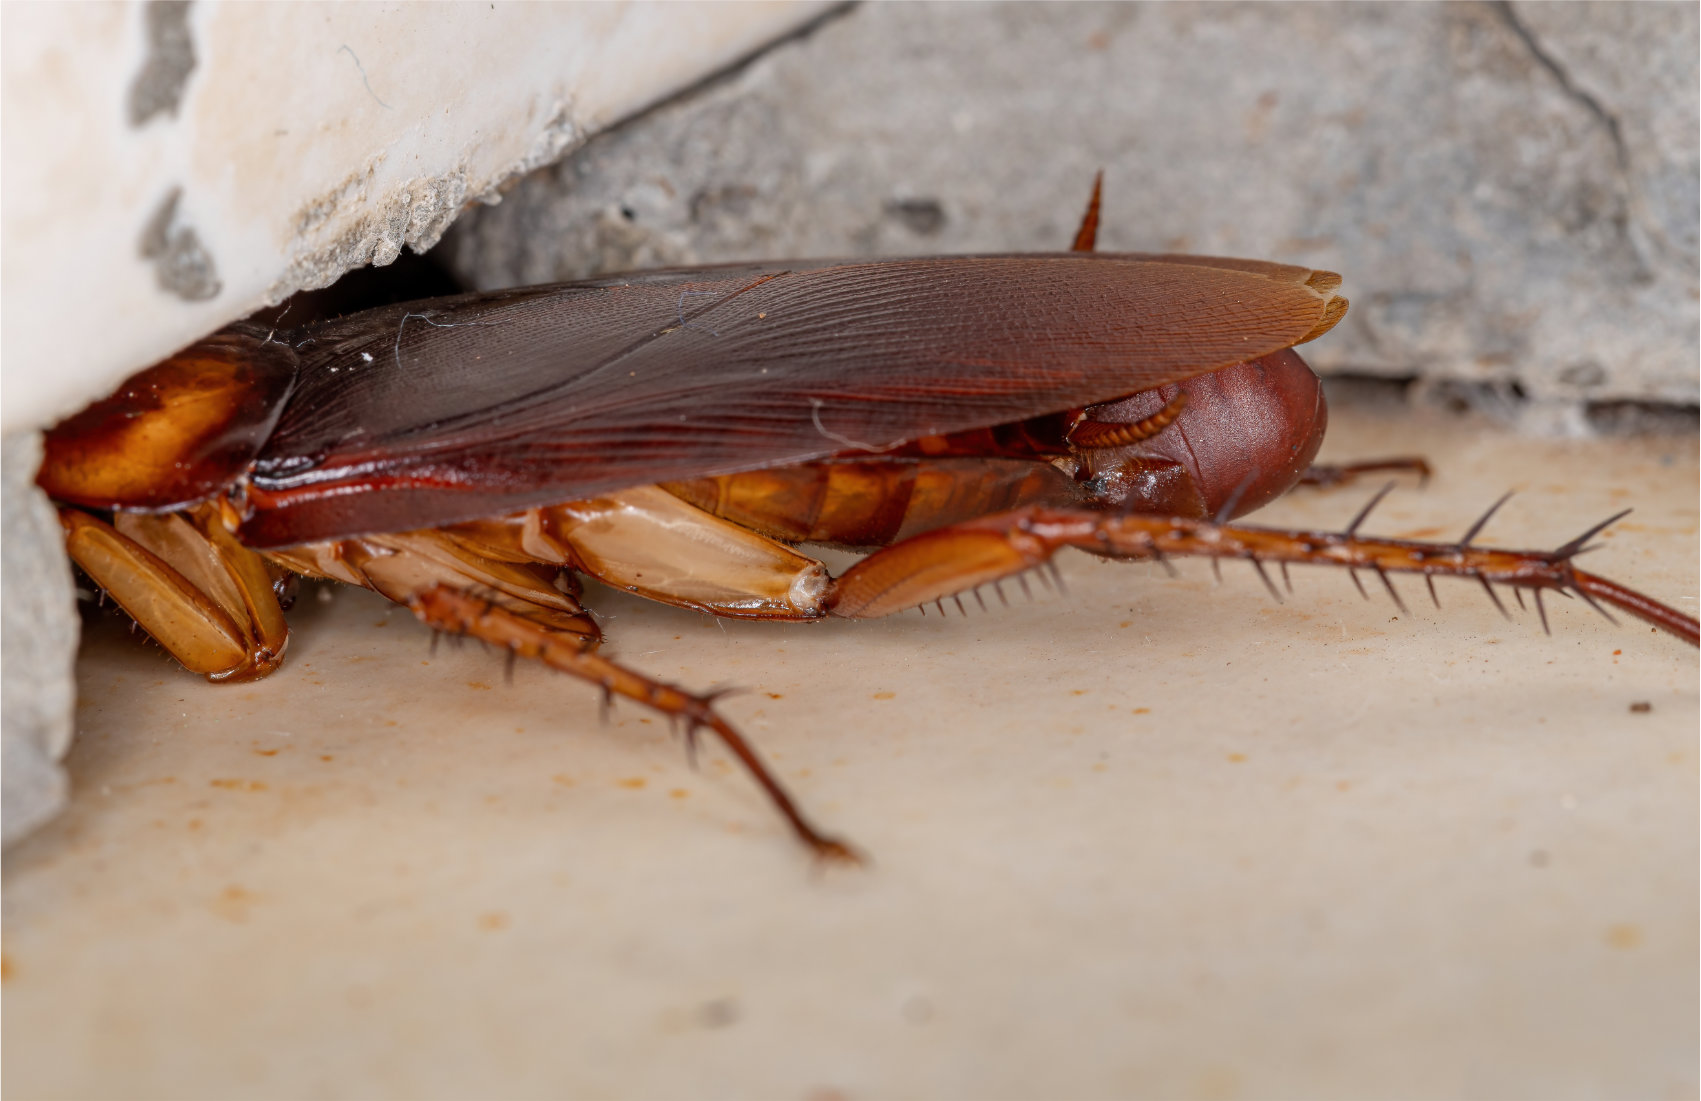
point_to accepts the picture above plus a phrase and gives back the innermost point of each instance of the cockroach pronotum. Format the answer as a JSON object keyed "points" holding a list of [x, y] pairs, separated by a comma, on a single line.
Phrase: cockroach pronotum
{"points": [[678, 433]]}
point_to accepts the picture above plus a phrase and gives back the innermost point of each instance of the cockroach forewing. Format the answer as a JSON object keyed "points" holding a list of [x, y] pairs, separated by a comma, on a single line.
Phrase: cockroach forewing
{"points": [[178, 433], [445, 410]]}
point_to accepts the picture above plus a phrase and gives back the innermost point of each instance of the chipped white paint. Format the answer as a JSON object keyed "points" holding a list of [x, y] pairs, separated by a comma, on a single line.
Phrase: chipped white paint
{"points": [[302, 142]]}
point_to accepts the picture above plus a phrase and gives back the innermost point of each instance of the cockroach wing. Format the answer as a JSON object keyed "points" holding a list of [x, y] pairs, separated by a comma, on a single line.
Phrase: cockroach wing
{"points": [[180, 432], [447, 410]]}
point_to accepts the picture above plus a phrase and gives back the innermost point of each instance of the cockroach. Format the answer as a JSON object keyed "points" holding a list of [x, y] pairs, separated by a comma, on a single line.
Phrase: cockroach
{"points": [[679, 433]]}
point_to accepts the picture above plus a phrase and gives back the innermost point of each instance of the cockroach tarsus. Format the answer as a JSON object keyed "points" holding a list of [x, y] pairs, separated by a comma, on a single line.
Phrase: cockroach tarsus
{"points": [[456, 612], [988, 412], [1320, 474]]}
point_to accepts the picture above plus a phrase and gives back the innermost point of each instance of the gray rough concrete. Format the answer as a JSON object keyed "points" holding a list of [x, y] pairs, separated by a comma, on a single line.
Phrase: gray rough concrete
{"points": [[1510, 190], [38, 648]]}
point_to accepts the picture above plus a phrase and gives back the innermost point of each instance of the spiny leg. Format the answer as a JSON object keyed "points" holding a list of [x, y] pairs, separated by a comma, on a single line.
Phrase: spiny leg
{"points": [[401, 564], [1086, 238], [951, 559], [452, 610], [1331, 474]]}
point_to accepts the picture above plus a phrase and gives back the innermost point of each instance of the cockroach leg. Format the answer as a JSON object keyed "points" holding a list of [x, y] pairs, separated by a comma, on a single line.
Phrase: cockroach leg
{"points": [[1590, 587], [1089, 435], [651, 542], [1482, 522], [1086, 238], [445, 608], [1493, 596], [208, 601], [1590, 601], [954, 558], [401, 564], [1364, 512], [1328, 474], [1580, 545], [1393, 594]]}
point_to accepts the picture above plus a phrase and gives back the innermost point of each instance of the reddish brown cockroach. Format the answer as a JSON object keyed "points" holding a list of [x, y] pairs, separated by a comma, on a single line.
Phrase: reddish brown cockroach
{"points": [[677, 433]]}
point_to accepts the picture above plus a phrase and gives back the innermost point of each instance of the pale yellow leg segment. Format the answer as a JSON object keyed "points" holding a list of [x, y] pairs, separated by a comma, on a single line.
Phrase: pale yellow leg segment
{"points": [[185, 620], [253, 581], [404, 565], [197, 546], [647, 541], [931, 566]]}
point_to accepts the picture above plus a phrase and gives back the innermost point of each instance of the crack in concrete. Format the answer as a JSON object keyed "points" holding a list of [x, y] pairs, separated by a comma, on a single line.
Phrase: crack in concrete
{"points": [[1631, 221], [1547, 61]]}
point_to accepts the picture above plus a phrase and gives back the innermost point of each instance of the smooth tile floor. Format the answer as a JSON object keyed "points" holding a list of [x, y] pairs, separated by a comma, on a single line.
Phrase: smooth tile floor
{"points": [[1152, 837]]}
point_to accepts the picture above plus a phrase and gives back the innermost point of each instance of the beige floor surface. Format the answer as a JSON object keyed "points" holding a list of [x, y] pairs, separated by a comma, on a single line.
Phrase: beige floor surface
{"points": [[1149, 838]]}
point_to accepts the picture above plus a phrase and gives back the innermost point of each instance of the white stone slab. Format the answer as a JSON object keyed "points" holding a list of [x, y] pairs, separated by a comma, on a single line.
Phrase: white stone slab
{"points": [[170, 168]]}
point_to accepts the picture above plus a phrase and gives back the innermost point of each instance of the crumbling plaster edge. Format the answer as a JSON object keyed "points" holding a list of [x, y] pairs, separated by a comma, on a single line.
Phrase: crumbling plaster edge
{"points": [[414, 213]]}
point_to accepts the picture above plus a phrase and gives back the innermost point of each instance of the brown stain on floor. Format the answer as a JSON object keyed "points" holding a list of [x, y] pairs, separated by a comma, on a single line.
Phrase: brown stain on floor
{"points": [[237, 785], [1624, 935], [234, 903]]}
